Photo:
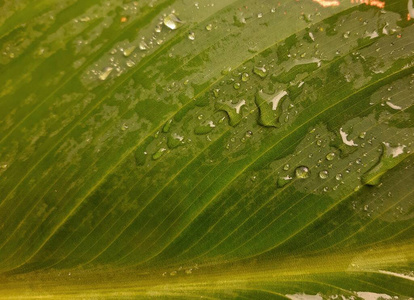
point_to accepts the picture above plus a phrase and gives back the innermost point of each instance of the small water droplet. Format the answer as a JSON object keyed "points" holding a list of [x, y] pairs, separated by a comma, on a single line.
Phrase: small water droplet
{"points": [[172, 21], [173, 273], [330, 156], [245, 77], [302, 172], [362, 135], [143, 45], [158, 28], [346, 34], [236, 85], [323, 174], [286, 167], [191, 36], [248, 134], [259, 15], [319, 143], [338, 176], [124, 127], [216, 92], [209, 27]]}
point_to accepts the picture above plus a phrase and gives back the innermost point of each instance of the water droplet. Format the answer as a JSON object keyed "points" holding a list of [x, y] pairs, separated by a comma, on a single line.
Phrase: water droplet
{"points": [[232, 110], [173, 273], [390, 157], [172, 21], [166, 127], [191, 36], [245, 77], [362, 135], [209, 27], [236, 85], [260, 15], [253, 178], [128, 51], [216, 93], [124, 127], [175, 140], [302, 172], [358, 161], [286, 167], [323, 174], [158, 28], [345, 140], [282, 181], [248, 134], [260, 71], [338, 176], [346, 34], [270, 108], [273, 10], [319, 143], [159, 153], [330, 156], [143, 45], [105, 73]]}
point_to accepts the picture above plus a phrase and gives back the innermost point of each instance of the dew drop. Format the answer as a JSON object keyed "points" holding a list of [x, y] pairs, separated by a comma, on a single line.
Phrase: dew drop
{"points": [[338, 176], [362, 135], [191, 36], [236, 85], [302, 172], [330, 156], [260, 71], [172, 21], [286, 167], [105, 73], [259, 15], [282, 181], [143, 45], [128, 51], [209, 27], [323, 174], [245, 77], [159, 153]]}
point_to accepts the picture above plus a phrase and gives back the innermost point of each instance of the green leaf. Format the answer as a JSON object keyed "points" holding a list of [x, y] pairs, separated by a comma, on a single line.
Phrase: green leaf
{"points": [[218, 149]]}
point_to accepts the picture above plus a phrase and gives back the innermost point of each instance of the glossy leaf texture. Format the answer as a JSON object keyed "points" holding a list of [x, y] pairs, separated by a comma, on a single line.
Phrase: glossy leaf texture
{"points": [[219, 149]]}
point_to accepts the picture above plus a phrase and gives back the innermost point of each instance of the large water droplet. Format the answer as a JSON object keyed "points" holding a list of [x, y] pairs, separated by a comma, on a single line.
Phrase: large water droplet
{"points": [[159, 153], [302, 172], [172, 21], [270, 108], [260, 71], [232, 110], [390, 157]]}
